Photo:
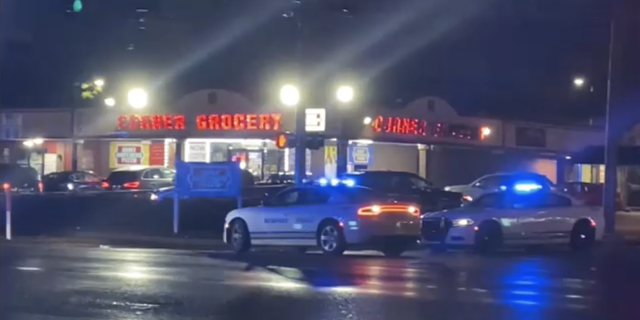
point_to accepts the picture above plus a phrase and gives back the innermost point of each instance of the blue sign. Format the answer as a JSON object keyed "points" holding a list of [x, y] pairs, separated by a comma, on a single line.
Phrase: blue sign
{"points": [[208, 179], [361, 155]]}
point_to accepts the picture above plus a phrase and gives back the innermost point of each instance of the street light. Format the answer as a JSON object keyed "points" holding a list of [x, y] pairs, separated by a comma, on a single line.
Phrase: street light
{"points": [[110, 102], [99, 82], [579, 82], [345, 94], [367, 121], [289, 95], [138, 98]]}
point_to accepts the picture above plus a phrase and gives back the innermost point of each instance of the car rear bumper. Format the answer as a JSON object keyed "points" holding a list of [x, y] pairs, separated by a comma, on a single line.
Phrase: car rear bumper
{"points": [[369, 232]]}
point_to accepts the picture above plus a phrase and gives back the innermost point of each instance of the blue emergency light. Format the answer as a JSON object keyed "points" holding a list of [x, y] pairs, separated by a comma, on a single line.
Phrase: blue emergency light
{"points": [[336, 182]]}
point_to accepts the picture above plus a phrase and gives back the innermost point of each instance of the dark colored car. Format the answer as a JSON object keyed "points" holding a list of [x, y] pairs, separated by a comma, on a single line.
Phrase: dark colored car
{"points": [[279, 178], [18, 178], [71, 181], [589, 193], [405, 186], [139, 178]]}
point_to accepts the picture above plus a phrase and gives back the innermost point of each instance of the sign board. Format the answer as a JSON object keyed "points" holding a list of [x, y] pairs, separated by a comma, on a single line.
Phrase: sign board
{"points": [[196, 151], [203, 122], [360, 155], [122, 154], [222, 179], [315, 120]]}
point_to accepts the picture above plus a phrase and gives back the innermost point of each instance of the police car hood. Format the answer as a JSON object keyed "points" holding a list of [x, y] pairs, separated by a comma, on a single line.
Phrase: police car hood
{"points": [[463, 212]]}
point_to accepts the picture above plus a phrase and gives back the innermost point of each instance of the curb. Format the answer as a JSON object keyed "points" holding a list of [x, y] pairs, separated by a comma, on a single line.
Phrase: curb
{"points": [[119, 241]]}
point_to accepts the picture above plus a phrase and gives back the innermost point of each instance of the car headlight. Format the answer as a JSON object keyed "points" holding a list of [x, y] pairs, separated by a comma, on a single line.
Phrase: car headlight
{"points": [[447, 188], [153, 197], [462, 222]]}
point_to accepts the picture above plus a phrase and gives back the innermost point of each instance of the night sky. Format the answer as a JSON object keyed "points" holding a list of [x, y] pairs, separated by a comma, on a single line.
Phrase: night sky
{"points": [[497, 58]]}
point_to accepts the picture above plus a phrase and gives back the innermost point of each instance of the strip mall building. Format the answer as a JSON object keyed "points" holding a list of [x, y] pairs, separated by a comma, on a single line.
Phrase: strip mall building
{"points": [[427, 137]]}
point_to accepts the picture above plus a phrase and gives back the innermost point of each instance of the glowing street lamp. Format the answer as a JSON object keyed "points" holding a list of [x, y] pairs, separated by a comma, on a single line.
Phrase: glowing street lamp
{"points": [[345, 94], [110, 102], [138, 98], [289, 95], [99, 83], [367, 121], [579, 82]]}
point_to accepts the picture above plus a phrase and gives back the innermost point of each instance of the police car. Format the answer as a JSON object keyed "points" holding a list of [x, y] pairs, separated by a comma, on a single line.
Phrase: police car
{"points": [[521, 213], [333, 217]]}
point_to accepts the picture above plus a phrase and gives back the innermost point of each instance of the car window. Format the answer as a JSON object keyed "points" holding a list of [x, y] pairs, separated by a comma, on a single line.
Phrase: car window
{"points": [[493, 200], [420, 183], [491, 182], [152, 174], [313, 196], [557, 201], [288, 197], [88, 177], [168, 174], [77, 177]]}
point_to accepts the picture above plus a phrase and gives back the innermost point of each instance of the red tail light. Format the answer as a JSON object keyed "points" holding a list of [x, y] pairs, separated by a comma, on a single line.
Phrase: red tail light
{"points": [[104, 185], [40, 186], [6, 186], [132, 185], [375, 210]]}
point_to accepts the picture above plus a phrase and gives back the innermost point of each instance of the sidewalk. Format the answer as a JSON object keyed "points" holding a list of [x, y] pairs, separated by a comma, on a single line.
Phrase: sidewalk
{"points": [[123, 241]]}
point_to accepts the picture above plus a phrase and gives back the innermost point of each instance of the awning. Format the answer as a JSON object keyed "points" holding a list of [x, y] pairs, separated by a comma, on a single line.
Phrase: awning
{"points": [[627, 155]]}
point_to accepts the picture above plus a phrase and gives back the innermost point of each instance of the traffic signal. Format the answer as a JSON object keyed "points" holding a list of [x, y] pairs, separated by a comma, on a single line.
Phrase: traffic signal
{"points": [[285, 140], [77, 6], [314, 141], [288, 140]]}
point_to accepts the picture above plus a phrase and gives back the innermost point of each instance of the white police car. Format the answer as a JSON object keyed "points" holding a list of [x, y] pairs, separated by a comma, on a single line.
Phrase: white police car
{"points": [[522, 213], [333, 218]]}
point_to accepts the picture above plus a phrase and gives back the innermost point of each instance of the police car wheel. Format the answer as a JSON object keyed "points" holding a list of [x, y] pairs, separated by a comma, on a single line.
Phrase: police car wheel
{"points": [[488, 237], [331, 238], [582, 236], [239, 237]]}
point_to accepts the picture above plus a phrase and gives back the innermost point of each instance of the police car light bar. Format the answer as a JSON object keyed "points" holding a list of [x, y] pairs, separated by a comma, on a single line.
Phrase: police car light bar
{"points": [[336, 182], [527, 187]]}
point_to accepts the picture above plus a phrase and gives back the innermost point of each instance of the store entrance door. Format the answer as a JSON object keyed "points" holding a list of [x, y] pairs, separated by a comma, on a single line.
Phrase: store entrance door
{"points": [[250, 160]]}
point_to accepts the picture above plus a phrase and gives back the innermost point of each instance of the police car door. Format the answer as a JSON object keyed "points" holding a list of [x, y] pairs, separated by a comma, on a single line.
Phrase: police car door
{"points": [[275, 224], [496, 206]]}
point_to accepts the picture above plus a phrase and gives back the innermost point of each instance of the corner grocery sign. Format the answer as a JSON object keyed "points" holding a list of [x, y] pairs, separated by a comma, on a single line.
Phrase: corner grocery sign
{"points": [[128, 154]]}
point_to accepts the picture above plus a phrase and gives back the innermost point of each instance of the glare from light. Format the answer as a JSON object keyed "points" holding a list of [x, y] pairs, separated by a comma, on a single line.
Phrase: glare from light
{"points": [[376, 209], [138, 98], [99, 82], [6, 186], [243, 165], [28, 143], [486, 131], [345, 94], [462, 222], [349, 182], [70, 186], [527, 187], [153, 197], [412, 209], [110, 102], [335, 182], [367, 121], [579, 82], [323, 181], [568, 157], [289, 95]]}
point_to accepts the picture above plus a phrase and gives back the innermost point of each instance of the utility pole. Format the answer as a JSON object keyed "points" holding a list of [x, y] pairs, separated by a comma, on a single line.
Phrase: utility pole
{"points": [[623, 94], [300, 155]]}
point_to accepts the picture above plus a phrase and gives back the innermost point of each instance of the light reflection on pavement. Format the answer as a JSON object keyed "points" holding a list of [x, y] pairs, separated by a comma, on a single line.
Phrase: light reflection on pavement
{"points": [[104, 283]]}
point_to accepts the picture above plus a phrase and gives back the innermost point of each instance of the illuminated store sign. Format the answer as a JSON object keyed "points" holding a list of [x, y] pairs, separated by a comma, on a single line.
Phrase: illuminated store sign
{"points": [[419, 127], [213, 122]]}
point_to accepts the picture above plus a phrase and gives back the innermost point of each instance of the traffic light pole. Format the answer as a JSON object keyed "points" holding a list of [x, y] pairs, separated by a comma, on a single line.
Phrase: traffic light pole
{"points": [[301, 145]]}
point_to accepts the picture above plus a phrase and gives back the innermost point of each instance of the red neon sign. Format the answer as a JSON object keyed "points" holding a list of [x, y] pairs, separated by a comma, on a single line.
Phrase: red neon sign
{"points": [[252, 121], [217, 122], [151, 122], [400, 125]]}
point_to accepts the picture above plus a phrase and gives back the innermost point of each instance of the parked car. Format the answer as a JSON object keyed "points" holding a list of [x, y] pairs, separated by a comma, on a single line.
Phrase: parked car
{"points": [[76, 181], [493, 183], [19, 178], [279, 178], [589, 193], [405, 186], [139, 178]]}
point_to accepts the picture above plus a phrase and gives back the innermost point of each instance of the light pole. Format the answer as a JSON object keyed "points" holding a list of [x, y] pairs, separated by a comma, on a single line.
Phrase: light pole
{"points": [[345, 95], [290, 97]]}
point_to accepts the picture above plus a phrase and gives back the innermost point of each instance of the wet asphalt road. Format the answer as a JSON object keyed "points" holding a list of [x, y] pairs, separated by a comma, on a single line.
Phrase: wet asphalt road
{"points": [[86, 282]]}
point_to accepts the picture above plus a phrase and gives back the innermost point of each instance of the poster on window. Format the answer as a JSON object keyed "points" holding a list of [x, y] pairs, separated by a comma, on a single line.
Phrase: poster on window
{"points": [[124, 154]]}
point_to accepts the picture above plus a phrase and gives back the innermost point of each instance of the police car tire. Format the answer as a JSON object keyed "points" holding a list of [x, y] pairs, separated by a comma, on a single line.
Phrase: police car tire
{"points": [[582, 236], [488, 237], [341, 243], [245, 245]]}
